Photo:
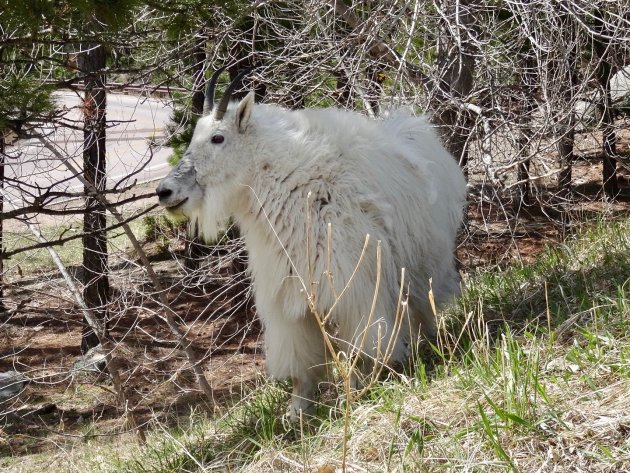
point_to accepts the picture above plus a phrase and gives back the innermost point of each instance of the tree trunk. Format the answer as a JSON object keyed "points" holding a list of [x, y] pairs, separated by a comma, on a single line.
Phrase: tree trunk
{"points": [[525, 132], [96, 291], [563, 74], [194, 249], [565, 151], [2, 306], [199, 57], [609, 168], [376, 74], [525, 188], [344, 93], [604, 72], [456, 62]]}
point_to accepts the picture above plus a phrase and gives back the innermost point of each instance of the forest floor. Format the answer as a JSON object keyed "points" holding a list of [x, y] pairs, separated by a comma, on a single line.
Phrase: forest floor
{"points": [[40, 333]]}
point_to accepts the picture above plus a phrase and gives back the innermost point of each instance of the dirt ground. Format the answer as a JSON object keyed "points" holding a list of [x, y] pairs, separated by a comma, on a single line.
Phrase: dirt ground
{"points": [[40, 334]]}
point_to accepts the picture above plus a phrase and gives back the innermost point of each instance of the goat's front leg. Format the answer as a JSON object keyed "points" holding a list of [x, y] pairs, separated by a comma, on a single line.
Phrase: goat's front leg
{"points": [[295, 349], [302, 398]]}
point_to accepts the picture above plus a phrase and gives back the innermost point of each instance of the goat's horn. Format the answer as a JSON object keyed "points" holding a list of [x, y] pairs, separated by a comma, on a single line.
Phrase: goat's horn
{"points": [[208, 103], [225, 100]]}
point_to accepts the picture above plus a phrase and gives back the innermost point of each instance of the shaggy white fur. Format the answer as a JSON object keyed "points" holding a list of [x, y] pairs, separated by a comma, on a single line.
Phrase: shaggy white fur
{"points": [[285, 177]]}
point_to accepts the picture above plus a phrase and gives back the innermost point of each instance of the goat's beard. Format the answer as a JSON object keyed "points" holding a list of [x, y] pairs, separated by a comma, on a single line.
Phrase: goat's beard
{"points": [[212, 215]]}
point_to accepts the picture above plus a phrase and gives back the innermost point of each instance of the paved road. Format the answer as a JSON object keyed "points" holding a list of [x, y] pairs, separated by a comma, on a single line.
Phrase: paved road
{"points": [[132, 121]]}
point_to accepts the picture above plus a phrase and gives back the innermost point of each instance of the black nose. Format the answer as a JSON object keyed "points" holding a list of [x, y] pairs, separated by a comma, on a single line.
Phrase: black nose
{"points": [[162, 192]]}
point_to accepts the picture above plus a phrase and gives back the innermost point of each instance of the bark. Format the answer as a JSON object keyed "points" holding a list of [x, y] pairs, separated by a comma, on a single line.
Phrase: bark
{"points": [[456, 60], [609, 168], [96, 291], [344, 94], [527, 80], [563, 69], [2, 306], [377, 76], [199, 58], [2, 162], [565, 151], [525, 187], [195, 250], [604, 72]]}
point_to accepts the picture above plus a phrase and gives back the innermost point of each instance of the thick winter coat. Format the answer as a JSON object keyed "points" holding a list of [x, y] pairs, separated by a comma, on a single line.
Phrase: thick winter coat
{"points": [[306, 187]]}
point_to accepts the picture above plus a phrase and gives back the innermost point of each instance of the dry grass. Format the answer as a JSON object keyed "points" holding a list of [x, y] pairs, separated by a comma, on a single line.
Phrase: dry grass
{"points": [[532, 373]]}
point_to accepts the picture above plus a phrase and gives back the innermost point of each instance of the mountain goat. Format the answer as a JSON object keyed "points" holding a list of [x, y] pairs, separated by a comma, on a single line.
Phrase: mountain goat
{"points": [[306, 187]]}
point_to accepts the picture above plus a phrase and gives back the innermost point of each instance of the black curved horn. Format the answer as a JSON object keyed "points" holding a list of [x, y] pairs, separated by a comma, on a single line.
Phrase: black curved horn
{"points": [[208, 103], [225, 100]]}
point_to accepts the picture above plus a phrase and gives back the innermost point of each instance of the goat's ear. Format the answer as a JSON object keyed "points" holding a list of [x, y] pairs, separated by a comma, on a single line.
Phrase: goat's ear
{"points": [[244, 112]]}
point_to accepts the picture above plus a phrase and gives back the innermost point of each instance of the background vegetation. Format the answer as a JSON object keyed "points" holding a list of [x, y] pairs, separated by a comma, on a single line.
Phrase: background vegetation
{"points": [[531, 369]]}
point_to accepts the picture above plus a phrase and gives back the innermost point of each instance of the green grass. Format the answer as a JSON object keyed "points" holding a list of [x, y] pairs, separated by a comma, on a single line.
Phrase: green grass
{"points": [[531, 373]]}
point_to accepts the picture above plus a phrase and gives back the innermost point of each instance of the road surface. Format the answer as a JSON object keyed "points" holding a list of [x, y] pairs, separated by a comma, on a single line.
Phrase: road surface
{"points": [[133, 122]]}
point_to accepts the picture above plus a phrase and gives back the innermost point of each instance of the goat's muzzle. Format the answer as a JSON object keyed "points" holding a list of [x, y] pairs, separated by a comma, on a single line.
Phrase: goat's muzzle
{"points": [[163, 192], [167, 197]]}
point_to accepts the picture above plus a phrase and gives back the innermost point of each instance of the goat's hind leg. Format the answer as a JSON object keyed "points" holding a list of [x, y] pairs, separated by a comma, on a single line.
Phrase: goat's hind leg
{"points": [[295, 349]]}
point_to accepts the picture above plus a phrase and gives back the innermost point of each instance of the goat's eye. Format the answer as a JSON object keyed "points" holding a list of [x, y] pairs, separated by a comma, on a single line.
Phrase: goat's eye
{"points": [[217, 139]]}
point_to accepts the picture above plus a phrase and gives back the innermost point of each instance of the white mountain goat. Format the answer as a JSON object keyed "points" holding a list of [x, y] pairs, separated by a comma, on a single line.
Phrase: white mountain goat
{"points": [[306, 187]]}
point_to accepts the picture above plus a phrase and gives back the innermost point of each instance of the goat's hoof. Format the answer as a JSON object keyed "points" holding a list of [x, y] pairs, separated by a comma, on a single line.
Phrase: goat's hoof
{"points": [[297, 415]]}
